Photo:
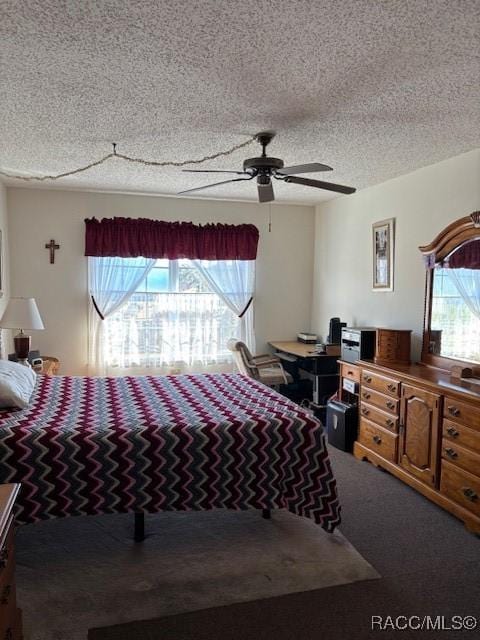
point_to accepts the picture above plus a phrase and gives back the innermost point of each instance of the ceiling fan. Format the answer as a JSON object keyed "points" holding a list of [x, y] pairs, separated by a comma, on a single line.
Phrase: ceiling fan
{"points": [[264, 168]]}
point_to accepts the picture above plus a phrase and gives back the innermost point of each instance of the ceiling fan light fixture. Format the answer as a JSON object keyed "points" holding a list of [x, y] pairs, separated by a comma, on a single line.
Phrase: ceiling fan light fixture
{"points": [[263, 168], [263, 179]]}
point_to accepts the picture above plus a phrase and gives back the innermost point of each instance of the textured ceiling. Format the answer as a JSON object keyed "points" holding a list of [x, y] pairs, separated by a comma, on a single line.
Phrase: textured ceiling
{"points": [[374, 88]]}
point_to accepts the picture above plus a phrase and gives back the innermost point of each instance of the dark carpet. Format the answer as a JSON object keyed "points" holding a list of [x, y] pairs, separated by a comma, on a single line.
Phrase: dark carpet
{"points": [[430, 566]]}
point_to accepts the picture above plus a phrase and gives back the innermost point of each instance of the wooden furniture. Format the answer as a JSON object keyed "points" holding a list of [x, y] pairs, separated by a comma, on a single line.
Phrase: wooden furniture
{"points": [[420, 422], [425, 429], [453, 238], [264, 368], [50, 367], [392, 346], [322, 368], [351, 373], [10, 615]]}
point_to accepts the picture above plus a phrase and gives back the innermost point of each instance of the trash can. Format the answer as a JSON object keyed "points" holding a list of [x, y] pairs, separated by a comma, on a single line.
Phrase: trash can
{"points": [[342, 424]]}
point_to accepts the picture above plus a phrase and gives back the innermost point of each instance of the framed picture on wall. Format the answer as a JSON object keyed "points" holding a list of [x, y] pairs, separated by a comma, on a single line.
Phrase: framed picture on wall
{"points": [[383, 236]]}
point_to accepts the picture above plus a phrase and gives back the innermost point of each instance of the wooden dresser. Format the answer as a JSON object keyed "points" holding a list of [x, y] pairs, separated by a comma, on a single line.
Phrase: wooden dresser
{"points": [[425, 429], [10, 615]]}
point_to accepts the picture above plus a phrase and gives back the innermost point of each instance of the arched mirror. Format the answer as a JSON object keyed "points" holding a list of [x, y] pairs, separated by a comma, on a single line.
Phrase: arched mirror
{"points": [[452, 302]]}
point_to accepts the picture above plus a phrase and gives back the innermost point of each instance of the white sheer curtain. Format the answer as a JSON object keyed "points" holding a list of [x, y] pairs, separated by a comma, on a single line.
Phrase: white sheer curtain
{"points": [[234, 282], [467, 282], [171, 333], [111, 282]]}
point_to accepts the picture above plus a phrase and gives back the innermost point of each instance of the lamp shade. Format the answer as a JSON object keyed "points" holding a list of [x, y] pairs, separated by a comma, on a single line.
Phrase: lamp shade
{"points": [[21, 313]]}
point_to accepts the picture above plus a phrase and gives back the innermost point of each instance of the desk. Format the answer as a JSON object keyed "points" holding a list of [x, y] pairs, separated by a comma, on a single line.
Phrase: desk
{"points": [[322, 368]]}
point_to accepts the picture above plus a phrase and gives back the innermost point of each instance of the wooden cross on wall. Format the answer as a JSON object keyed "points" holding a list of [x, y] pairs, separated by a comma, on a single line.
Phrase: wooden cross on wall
{"points": [[53, 247]]}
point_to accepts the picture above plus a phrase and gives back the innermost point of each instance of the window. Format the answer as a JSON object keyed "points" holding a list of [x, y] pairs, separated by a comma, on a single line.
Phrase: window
{"points": [[455, 329], [173, 320]]}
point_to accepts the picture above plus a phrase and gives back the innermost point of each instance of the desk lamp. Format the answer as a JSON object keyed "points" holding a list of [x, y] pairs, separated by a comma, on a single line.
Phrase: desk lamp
{"points": [[22, 314]]}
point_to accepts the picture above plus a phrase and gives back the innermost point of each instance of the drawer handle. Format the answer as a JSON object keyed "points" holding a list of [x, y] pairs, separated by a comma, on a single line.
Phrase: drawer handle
{"points": [[390, 422], [470, 494], [367, 378], [365, 411], [390, 405], [392, 387], [6, 594], [377, 439], [451, 453], [452, 432], [453, 411], [349, 373], [366, 395]]}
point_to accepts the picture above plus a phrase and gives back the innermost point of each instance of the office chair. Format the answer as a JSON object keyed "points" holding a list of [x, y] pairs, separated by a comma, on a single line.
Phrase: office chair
{"points": [[265, 368]]}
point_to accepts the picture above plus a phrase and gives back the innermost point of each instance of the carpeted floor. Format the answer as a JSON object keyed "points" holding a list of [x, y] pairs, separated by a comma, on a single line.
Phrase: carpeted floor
{"points": [[430, 565], [78, 573]]}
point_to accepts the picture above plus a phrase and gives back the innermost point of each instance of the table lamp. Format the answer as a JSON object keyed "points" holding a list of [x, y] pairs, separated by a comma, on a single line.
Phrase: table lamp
{"points": [[22, 314]]}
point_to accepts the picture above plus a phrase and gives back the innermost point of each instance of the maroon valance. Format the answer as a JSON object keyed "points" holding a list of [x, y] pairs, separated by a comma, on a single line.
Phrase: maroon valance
{"points": [[134, 237], [465, 257]]}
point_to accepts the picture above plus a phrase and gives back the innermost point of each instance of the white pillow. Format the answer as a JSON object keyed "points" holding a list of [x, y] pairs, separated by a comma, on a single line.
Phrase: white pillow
{"points": [[17, 383]]}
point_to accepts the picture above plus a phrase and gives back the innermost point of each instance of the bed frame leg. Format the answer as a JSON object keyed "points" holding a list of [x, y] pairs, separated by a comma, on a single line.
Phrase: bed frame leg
{"points": [[266, 513], [139, 529]]}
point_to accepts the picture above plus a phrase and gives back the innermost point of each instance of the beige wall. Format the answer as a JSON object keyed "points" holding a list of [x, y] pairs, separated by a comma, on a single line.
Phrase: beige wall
{"points": [[423, 202], [5, 266], [284, 265]]}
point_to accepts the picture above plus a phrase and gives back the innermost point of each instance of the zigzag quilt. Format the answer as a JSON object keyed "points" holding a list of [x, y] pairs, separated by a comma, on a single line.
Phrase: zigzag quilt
{"points": [[90, 445]]}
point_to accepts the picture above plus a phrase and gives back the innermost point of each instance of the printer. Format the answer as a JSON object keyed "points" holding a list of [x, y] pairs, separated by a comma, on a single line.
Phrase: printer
{"points": [[358, 343], [307, 337]]}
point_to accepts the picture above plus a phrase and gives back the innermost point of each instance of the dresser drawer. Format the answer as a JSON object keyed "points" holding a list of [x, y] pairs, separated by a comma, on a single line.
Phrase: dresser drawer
{"points": [[380, 383], [464, 436], [460, 486], [461, 457], [381, 418], [378, 440], [386, 403], [461, 412], [350, 371]]}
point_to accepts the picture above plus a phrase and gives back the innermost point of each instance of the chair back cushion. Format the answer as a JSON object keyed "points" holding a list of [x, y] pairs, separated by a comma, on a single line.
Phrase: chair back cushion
{"points": [[242, 357]]}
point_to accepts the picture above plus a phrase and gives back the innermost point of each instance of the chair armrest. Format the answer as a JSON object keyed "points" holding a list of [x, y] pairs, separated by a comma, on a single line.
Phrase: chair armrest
{"points": [[266, 357], [268, 363]]}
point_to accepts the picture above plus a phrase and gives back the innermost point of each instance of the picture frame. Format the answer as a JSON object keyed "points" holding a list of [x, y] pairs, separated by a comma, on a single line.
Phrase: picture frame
{"points": [[383, 250]]}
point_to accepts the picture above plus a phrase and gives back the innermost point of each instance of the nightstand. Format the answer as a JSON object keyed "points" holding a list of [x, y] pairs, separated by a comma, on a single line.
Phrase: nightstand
{"points": [[49, 367]]}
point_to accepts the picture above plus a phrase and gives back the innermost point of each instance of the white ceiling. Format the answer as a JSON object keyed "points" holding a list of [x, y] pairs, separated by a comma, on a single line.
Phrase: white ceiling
{"points": [[374, 88]]}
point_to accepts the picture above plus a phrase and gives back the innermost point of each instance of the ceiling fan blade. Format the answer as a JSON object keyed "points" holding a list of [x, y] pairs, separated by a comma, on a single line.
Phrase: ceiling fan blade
{"points": [[215, 184], [238, 173], [265, 192], [329, 186], [305, 168]]}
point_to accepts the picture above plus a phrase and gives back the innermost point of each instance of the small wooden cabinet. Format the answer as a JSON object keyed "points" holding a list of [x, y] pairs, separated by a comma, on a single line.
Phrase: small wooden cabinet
{"points": [[10, 614], [425, 429], [419, 420], [392, 346]]}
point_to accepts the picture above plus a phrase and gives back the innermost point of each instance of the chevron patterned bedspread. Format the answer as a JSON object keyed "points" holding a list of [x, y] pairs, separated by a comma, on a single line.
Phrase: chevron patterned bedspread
{"points": [[90, 445]]}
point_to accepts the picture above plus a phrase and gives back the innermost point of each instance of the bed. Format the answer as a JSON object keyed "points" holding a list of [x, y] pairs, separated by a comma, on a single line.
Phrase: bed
{"points": [[88, 445]]}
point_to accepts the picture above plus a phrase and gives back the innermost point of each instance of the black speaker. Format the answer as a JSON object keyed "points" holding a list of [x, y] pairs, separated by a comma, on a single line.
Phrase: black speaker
{"points": [[342, 421], [335, 331]]}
